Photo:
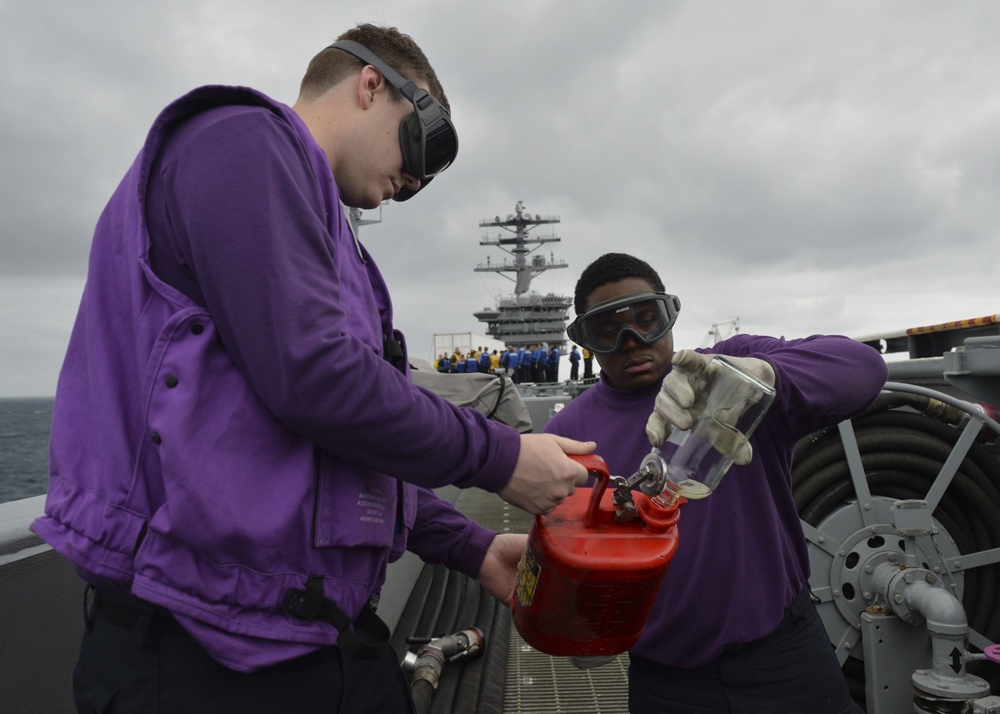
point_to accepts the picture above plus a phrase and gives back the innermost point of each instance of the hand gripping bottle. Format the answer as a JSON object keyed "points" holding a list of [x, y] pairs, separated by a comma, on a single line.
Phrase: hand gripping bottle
{"points": [[586, 582], [694, 461]]}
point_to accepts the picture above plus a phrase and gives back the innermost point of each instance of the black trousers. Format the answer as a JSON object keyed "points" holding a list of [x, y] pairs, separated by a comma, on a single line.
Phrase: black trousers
{"points": [[152, 665], [792, 671]]}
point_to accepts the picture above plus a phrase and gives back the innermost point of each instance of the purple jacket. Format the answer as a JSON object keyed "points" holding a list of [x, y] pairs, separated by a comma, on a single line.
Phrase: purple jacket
{"points": [[741, 556], [221, 436]]}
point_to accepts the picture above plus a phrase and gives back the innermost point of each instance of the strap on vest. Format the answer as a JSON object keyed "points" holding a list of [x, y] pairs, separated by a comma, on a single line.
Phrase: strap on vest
{"points": [[493, 411], [392, 349], [367, 638]]}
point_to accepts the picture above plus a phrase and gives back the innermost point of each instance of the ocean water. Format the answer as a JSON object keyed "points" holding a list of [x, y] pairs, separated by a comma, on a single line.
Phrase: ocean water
{"points": [[24, 447]]}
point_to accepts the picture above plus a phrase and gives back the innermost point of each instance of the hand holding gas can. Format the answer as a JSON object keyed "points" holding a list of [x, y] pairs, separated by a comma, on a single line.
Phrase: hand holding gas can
{"points": [[498, 573], [544, 476], [709, 394]]}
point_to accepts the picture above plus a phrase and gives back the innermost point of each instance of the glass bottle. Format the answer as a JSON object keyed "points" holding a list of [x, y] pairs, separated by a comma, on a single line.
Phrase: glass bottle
{"points": [[693, 461]]}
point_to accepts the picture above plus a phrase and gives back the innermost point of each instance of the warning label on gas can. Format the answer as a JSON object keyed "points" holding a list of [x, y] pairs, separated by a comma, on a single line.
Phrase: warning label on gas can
{"points": [[527, 577]]}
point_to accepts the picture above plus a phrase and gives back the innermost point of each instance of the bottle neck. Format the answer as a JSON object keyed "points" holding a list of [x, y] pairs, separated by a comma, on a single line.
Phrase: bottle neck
{"points": [[660, 513]]}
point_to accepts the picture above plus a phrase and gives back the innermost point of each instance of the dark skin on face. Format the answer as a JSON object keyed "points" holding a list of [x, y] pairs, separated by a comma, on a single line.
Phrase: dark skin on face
{"points": [[635, 365]]}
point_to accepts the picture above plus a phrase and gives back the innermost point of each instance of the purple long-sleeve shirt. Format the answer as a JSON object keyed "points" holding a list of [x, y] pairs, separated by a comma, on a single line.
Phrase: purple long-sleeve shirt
{"points": [[238, 227], [226, 423], [741, 555]]}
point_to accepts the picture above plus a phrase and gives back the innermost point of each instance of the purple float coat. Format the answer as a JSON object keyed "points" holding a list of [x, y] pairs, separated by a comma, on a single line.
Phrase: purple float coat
{"points": [[217, 443], [741, 556]]}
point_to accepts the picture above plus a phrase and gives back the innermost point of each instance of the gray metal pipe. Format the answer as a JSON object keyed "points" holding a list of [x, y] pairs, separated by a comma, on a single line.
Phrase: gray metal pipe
{"points": [[947, 623]]}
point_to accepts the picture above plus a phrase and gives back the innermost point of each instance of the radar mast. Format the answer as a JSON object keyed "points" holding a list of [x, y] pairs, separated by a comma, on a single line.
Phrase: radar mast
{"points": [[525, 318]]}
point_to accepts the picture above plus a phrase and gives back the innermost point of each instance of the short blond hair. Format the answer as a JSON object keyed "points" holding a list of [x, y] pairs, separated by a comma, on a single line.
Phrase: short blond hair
{"points": [[399, 51]]}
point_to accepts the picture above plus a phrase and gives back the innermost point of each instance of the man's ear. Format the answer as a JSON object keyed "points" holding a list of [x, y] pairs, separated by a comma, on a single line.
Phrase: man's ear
{"points": [[370, 84]]}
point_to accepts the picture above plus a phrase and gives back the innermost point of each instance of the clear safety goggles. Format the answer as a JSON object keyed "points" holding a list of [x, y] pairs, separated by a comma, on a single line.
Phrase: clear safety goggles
{"points": [[646, 316], [427, 136]]}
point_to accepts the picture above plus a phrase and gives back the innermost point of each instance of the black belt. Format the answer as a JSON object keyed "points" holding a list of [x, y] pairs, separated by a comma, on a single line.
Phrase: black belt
{"points": [[367, 637], [132, 613], [794, 614]]}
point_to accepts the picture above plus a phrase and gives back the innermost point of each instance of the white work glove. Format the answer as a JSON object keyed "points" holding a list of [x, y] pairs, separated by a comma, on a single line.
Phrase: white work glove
{"points": [[592, 661], [682, 398]]}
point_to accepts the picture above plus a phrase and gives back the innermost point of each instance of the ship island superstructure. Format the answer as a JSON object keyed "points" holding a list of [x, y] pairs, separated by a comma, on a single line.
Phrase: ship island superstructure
{"points": [[526, 317]]}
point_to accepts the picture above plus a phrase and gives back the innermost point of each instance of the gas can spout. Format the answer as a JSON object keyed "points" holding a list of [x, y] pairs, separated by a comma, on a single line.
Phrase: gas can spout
{"points": [[660, 513]]}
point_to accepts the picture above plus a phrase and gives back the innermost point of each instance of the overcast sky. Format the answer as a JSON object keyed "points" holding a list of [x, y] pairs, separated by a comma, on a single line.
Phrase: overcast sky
{"points": [[802, 166]]}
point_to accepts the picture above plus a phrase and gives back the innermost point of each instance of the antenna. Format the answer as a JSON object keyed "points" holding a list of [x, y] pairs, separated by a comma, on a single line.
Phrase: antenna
{"points": [[717, 334]]}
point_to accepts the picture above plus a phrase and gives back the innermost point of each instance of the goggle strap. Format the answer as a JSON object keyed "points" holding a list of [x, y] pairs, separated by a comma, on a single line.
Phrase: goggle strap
{"points": [[423, 105], [368, 57]]}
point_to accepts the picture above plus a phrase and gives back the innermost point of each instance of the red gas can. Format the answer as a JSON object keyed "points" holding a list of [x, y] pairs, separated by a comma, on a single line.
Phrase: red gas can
{"points": [[586, 583]]}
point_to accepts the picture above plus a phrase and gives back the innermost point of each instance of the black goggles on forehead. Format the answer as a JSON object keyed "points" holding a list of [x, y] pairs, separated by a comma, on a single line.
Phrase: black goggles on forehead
{"points": [[427, 137], [646, 316]]}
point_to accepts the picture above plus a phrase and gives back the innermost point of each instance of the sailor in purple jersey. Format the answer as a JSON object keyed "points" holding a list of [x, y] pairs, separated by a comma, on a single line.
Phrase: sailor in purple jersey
{"points": [[734, 628], [237, 451]]}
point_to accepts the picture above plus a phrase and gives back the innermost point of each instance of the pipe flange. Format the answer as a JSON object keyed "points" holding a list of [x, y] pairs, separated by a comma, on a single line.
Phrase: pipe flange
{"points": [[925, 682], [896, 592]]}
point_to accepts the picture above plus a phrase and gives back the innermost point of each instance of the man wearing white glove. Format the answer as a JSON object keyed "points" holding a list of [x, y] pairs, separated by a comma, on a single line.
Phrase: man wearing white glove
{"points": [[684, 392], [733, 628]]}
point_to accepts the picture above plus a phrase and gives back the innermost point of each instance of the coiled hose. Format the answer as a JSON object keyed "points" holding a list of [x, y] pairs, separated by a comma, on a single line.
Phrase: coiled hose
{"points": [[904, 440], [442, 602]]}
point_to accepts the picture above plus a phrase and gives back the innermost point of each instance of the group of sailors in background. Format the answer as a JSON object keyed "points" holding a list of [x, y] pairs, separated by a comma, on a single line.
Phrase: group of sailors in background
{"points": [[525, 363]]}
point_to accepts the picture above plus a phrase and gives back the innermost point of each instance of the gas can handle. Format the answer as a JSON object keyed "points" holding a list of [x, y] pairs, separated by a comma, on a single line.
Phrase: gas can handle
{"points": [[595, 465]]}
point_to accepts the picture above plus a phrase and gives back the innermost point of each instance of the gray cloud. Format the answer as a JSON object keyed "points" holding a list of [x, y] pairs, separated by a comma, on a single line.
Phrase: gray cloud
{"points": [[807, 167]]}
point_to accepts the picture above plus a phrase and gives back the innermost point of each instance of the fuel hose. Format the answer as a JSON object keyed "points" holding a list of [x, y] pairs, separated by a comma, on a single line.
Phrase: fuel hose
{"points": [[442, 602]]}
